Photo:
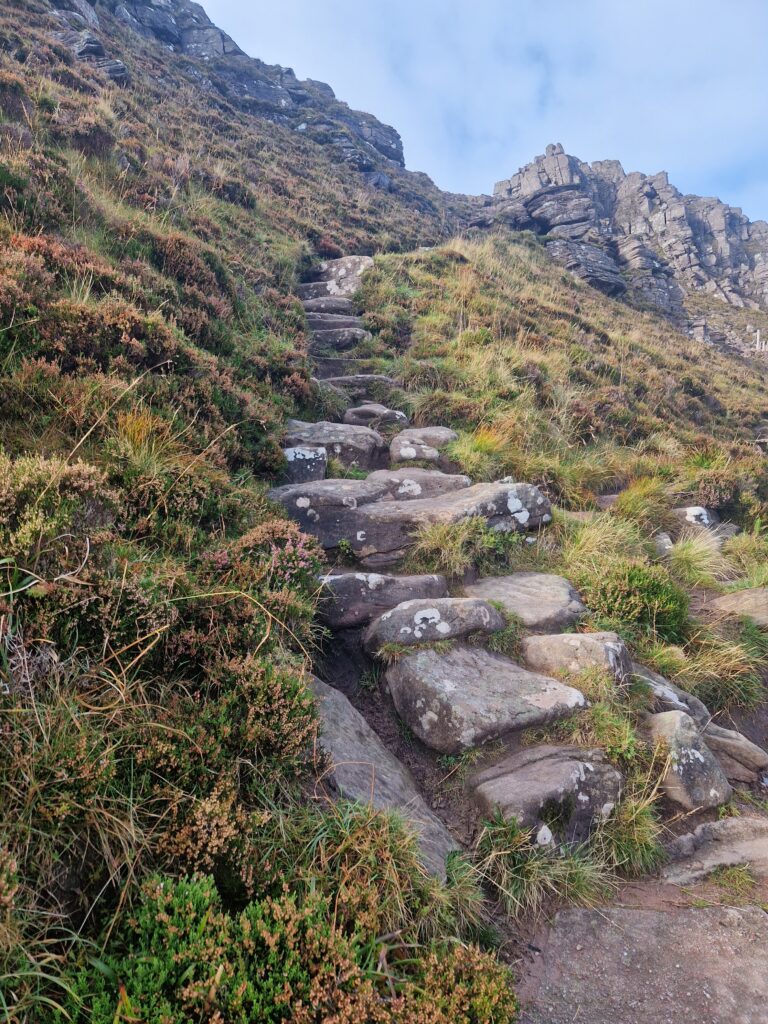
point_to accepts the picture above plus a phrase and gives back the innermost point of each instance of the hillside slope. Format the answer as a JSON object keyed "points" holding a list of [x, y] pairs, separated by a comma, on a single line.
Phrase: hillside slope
{"points": [[192, 827]]}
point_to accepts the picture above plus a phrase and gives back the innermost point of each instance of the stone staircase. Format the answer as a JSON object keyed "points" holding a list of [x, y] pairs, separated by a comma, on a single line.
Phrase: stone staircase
{"points": [[457, 696]]}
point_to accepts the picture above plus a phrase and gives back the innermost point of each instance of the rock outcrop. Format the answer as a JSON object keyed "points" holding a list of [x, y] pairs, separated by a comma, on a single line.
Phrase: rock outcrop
{"points": [[636, 234]]}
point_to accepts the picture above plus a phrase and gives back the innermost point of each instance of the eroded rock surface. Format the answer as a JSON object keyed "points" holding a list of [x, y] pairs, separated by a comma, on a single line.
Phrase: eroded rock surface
{"points": [[694, 779], [426, 621], [355, 598], [578, 652], [415, 483], [718, 844], [364, 770], [564, 788], [328, 509], [539, 600], [306, 463], [360, 447], [467, 696]]}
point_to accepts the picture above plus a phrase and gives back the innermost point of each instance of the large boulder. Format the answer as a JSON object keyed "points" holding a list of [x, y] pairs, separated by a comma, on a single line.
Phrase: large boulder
{"points": [[541, 785], [373, 414], [412, 484], [386, 531], [694, 780], [725, 843], [328, 509], [353, 446], [420, 444], [579, 652], [542, 602], [748, 604], [309, 462], [363, 770], [427, 621], [467, 696], [625, 965], [354, 598]]}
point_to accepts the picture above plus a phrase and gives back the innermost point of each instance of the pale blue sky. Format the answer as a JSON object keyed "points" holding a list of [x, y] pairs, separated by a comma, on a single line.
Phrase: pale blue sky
{"points": [[479, 87]]}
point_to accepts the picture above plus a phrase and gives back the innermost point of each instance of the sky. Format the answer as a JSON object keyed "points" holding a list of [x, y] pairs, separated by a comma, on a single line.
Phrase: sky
{"points": [[477, 88]]}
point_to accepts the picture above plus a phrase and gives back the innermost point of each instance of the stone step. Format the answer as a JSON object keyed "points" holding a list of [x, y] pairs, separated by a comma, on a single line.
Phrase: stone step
{"points": [[577, 783], [355, 598], [342, 340], [575, 653], [328, 509], [361, 386], [358, 447], [468, 696], [386, 531], [374, 415], [305, 463], [420, 444], [364, 771], [340, 277], [542, 602], [429, 620], [332, 322], [328, 368], [415, 483], [330, 304]]}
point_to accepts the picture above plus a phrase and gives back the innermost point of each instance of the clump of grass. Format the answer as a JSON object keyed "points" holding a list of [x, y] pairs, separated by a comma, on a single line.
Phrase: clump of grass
{"points": [[736, 883], [391, 652], [638, 596], [696, 559], [589, 547], [646, 503], [721, 671], [452, 548], [505, 641], [525, 877], [629, 840]]}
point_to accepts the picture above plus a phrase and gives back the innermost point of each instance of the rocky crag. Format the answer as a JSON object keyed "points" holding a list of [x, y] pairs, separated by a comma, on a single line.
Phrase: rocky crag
{"points": [[635, 235]]}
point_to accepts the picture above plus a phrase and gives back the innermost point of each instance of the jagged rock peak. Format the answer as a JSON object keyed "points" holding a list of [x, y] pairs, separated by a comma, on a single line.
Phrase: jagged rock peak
{"points": [[636, 233]]}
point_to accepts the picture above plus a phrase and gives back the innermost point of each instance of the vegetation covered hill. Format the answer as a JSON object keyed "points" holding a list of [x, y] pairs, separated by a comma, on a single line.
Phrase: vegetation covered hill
{"points": [[161, 854]]}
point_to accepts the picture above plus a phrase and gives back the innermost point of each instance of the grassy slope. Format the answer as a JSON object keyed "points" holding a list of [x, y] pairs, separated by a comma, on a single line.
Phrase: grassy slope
{"points": [[157, 617]]}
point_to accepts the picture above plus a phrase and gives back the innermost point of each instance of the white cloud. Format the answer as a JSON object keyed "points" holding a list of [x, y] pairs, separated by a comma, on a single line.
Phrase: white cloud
{"points": [[478, 87]]}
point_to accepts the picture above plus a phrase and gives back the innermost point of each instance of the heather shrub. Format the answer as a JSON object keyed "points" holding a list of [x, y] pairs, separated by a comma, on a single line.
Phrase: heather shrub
{"points": [[637, 596]]}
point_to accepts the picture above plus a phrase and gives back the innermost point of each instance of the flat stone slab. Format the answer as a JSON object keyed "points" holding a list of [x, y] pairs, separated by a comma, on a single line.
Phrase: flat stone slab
{"points": [[331, 341], [386, 531], [694, 779], [332, 321], [328, 509], [415, 483], [541, 601], [749, 604], [330, 304], [354, 446], [573, 784], [364, 771], [421, 444], [468, 696], [426, 621], [578, 652], [355, 598], [305, 463], [718, 844], [623, 966], [373, 414]]}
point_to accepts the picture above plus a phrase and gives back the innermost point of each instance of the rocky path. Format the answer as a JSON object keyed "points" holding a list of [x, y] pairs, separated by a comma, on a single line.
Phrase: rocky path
{"points": [[444, 686]]}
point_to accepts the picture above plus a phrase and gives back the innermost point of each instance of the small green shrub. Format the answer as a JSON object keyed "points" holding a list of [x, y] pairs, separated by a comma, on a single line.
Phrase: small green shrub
{"points": [[637, 595]]}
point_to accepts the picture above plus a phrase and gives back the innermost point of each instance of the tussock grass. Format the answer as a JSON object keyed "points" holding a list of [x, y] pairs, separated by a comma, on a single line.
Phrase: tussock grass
{"points": [[696, 559]]}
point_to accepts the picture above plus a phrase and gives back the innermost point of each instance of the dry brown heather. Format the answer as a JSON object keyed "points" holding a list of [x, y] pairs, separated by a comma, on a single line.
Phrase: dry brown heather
{"points": [[157, 615]]}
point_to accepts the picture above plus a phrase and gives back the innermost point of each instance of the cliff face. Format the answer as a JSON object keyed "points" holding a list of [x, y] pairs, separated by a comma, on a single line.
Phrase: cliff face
{"points": [[268, 91], [636, 235]]}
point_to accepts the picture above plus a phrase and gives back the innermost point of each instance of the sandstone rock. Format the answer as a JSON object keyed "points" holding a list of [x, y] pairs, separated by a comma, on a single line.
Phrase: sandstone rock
{"points": [[361, 386], [594, 265], [578, 652], [353, 446], [328, 509], [354, 598], [694, 779], [328, 342], [718, 844], [373, 414], [425, 621], [332, 321], [469, 696], [574, 785], [420, 443], [740, 759], [340, 277], [696, 515], [330, 304], [668, 697], [363, 770], [415, 483], [304, 464], [620, 965], [748, 604], [386, 530], [540, 601]]}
